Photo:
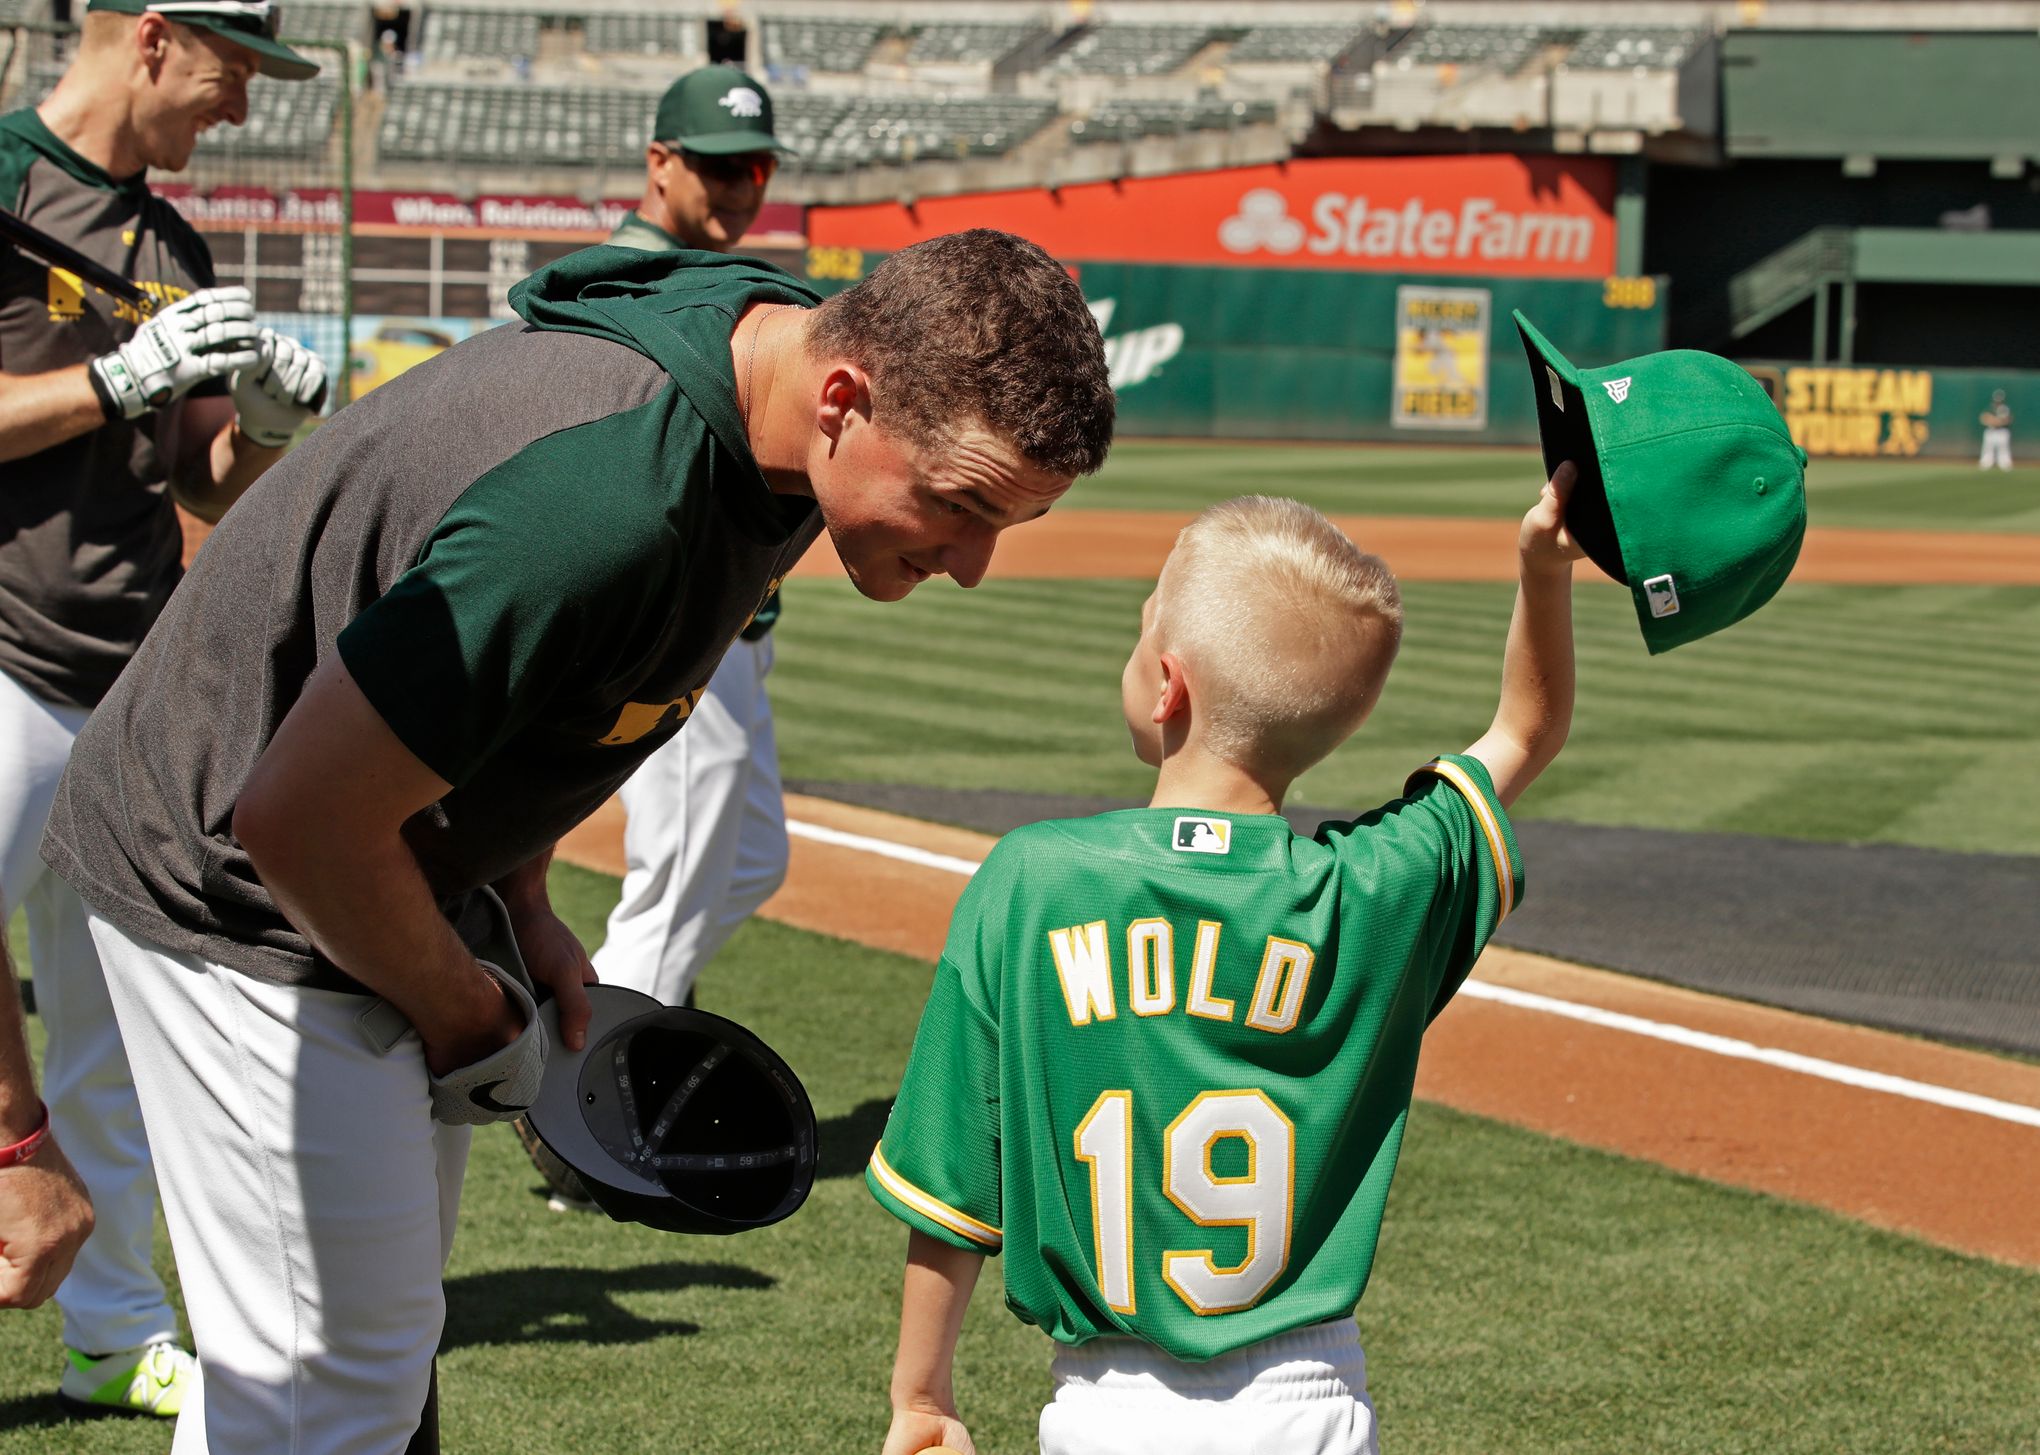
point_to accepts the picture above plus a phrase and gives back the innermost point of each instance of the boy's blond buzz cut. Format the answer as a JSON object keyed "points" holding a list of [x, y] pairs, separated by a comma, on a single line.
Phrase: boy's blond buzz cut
{"points": [[1286, 628]]}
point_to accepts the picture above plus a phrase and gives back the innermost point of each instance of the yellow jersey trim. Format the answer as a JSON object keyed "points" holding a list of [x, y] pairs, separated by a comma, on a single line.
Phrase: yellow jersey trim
{"points": [[1490, 825], [932, 1207]]}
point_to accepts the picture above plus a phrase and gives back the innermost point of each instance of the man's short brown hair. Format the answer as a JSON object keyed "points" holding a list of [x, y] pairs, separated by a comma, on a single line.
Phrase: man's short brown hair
{"points": [[978, 328]]}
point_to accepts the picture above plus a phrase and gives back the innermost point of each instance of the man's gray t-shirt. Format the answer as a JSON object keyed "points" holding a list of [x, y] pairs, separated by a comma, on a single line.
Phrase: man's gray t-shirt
{"points": [[530, 553], [89, 543]]}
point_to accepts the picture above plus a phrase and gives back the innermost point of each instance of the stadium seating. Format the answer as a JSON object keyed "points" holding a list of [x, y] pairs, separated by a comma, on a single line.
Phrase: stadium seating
{"points": [[1613, 48], [987, 42], [820, 45], [285, 119], [1293, 43], [17, 12], [1504, 48], [641, 33], [457, 35], [1130, 50], [837, 134], [333, 24], [514, 125], [1123, 121]]}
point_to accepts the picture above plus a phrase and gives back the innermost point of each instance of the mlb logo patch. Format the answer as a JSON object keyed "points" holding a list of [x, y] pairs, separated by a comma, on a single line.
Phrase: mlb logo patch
{"points": [[1203, 836], [1663, 596], [1618, 389]]}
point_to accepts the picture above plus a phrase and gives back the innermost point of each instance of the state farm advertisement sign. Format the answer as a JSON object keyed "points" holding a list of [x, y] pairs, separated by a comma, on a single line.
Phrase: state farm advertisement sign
{"points": [[1546, 217]]}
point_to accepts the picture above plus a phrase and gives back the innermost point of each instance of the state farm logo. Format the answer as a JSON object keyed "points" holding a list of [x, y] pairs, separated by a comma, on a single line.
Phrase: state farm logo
{"points": [[1340, 225], [1263, 221]]}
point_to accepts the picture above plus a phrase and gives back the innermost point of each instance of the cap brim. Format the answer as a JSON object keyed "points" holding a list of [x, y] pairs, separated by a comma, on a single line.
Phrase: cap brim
{"points": [[273, 58], [1567, 433], [733, 143], [556, 1115]]}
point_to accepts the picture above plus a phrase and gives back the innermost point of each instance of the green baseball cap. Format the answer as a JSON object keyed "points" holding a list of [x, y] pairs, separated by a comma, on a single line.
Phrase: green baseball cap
{"points": [[717, 111], [1690, 490], [249, 23]]}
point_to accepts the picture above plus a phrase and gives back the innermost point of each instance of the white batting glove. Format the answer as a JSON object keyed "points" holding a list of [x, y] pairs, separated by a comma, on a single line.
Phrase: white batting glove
{"points": [[200, 337], [503, 1084], [279, 392]]}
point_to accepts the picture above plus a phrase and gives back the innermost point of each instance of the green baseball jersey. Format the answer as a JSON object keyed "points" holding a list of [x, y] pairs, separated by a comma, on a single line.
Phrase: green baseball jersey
{"points": [[1167, 1057]]}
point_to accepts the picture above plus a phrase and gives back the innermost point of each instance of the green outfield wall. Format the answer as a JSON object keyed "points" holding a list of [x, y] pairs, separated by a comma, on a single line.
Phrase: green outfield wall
{"points": [[1899, 413], [1287, 353]]}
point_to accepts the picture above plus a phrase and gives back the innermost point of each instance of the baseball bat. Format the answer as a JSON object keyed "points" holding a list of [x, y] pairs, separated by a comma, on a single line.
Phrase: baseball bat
{"points": [[32, 239]]}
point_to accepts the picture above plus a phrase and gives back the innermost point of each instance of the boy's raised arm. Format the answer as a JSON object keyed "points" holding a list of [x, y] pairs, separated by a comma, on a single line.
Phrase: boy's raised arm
{"points": [[1535, 713], [938, 1288]]}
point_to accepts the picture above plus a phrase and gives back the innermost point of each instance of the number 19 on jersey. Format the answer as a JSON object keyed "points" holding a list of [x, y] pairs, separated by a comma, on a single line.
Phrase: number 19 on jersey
{"points": [[1260, 1200]]}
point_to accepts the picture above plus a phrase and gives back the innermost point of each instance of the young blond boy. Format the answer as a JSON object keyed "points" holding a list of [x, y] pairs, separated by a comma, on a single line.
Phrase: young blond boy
{"points": [[1168, 1054]]}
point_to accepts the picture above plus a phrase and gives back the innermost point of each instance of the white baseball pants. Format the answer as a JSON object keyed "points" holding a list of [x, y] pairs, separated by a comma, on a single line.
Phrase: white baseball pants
{"points": [[704, 837], [112, 1299], [1997, 450], [311, 1200], [1302, 1393]]}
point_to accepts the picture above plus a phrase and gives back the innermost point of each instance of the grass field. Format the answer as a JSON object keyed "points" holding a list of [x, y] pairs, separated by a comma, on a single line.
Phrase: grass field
{"points": [[1874, 714], [1530, 1295], [1414, 480]]}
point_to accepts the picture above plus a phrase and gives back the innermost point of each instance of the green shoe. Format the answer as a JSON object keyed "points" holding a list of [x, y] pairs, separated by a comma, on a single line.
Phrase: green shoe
{"points": [[146, 1381]]}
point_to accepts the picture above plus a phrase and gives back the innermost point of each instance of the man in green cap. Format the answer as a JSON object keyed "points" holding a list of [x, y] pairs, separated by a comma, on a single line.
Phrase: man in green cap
{"points": [[711, 156], [705, 842], [105, 417]]}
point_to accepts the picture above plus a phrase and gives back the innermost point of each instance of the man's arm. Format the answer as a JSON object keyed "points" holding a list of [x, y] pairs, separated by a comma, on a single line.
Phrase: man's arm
{"points": [[1535, 713], [44, 1212], [41, 410], [322, 819], [552, 952], [938, 1286]]}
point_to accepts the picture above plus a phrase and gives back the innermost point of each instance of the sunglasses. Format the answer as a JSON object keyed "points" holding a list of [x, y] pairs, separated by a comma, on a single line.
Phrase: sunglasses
{"points": [[729, 171]]}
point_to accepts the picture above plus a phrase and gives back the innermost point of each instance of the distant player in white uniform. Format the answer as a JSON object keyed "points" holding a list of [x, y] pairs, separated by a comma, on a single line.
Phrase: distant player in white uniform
{"points": [[1997, 434], [705, 834], [1168, 1054]]}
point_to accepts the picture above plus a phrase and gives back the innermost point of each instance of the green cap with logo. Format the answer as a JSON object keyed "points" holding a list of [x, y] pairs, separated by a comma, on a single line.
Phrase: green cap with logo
{"points": [[1690, 490], [249, 23], [717, 111]]}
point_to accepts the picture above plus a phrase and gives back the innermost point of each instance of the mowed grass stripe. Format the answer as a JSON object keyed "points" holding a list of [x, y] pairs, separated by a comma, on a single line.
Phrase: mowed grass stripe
{"points": [[1828, 694], [1473, 481]]}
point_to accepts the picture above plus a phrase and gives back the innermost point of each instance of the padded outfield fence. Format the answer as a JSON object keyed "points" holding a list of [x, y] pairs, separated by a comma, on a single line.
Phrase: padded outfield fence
{"points": [[296, 254]]}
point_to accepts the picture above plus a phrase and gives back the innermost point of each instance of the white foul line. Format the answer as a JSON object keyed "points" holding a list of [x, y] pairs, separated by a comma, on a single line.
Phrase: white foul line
{"points": [[884, 848], [1728, 1046]]}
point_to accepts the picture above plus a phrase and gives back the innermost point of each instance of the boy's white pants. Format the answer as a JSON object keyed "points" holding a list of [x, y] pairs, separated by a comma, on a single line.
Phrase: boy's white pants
{"points": [[311, 1201], [704, 837], [1302, 1393], [112, 1299]]}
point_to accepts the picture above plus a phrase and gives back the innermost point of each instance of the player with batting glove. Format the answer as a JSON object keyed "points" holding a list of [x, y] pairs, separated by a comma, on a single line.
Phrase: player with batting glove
{"points": [[107, 416]]}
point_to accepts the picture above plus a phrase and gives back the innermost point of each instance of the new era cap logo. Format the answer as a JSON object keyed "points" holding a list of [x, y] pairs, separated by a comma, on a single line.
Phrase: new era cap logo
{"points": [[1661, 593], [1557, 394], [1618, 389], [1204, 835], [743, 101]]}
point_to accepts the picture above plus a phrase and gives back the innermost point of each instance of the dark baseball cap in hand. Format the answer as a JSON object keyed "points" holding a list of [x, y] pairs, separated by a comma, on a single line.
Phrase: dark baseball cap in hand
{"points": [[247, 23], [1690, 491], [717, 111]]}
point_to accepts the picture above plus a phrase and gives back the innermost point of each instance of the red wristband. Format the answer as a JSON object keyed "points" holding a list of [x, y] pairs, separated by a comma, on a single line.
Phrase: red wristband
{"points": [[29, 1145]]}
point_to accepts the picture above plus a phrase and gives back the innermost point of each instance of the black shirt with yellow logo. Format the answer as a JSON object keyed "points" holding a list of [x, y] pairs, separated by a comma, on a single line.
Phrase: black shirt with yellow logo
{"points": [[89, 544], [529, 553]]}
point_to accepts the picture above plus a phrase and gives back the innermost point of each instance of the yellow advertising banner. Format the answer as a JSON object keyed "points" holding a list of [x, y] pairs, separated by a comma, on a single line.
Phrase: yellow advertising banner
{"points": [[1853, 411], [1441, 358]]}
